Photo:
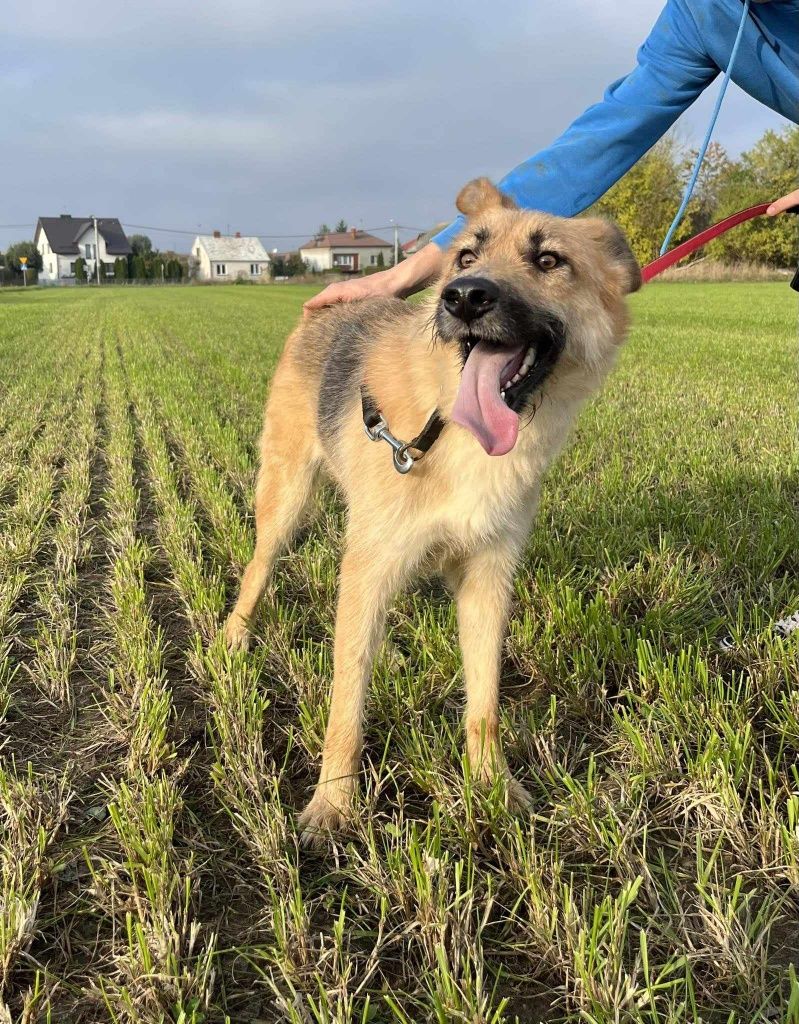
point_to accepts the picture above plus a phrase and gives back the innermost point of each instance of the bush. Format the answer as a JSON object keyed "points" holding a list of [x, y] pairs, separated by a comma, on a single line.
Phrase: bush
{"points": [[80, 270]]}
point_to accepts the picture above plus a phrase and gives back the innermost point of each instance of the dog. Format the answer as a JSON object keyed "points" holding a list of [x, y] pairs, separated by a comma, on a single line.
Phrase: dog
{"points": [[520, 330]]}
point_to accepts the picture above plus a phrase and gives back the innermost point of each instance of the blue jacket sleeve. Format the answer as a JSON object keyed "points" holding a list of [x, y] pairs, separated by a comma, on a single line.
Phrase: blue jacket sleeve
{"points": [[604, 142]]}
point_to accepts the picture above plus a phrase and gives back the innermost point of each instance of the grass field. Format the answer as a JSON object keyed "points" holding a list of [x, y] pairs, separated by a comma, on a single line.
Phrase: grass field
{"points": [[149, 868]]}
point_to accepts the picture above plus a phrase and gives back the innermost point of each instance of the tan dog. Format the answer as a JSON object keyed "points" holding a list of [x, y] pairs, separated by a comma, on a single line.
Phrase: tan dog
{"points": [[520, 331]]}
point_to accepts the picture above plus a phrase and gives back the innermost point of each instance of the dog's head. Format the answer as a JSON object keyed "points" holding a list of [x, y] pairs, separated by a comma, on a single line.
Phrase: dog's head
{"points": [[524, 293]]}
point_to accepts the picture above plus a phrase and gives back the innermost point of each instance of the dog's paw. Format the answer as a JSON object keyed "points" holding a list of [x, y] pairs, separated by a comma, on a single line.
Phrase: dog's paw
{"points": [[237, 633], [517, 798], [323, 815], [520, 800]]}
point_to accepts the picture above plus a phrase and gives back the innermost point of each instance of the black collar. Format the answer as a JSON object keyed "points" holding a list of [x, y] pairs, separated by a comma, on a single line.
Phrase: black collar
{"points": [[377, 430]]}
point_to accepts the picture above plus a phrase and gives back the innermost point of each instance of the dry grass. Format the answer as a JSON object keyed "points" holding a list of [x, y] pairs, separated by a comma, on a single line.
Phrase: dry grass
{"points": [[149, 869], [711, 271]]}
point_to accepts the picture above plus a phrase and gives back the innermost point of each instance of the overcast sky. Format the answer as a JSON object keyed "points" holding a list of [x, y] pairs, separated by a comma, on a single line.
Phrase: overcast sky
{"points": [[266, 118]]}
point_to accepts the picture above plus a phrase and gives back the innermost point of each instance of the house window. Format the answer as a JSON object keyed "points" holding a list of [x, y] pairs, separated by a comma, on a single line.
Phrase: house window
{"points": [[255, 269], [72, 269], [221, 270], [341, 259], [89, 251], [373, 260]]}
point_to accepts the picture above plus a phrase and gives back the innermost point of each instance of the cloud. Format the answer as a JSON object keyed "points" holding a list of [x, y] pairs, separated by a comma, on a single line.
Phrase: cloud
{"points": [[275, 117]]}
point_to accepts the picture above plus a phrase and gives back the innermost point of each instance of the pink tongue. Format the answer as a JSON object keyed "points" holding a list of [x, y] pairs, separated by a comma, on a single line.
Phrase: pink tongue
{"points": [[478, 405]]}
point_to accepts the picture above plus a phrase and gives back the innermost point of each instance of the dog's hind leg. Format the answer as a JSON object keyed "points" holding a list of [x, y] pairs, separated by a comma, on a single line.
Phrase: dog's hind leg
{"points": [[372, 570], [482, 585], [290, 457]]}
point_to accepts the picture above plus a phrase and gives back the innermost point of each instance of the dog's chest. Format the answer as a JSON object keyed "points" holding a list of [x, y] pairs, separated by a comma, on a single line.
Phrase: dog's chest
{"points": [[486, 497]]}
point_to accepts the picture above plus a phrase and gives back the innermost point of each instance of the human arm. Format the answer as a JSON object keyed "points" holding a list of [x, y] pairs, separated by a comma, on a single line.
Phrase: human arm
{"points": [[591, 155], [610, 136], [413, 274]]}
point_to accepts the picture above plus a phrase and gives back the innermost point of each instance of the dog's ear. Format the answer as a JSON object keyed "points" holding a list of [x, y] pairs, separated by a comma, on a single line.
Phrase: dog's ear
{"points": [[479, 195], [617, 250]]}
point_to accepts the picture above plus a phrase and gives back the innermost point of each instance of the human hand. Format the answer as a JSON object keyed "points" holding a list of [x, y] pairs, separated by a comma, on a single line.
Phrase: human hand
{"points": [[375, 285], [783, 204]]}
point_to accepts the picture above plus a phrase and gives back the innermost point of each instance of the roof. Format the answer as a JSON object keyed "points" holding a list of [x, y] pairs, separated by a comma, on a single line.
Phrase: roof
{"points": [[347, 240], [228, 247], [63, 233], [423, 238]]}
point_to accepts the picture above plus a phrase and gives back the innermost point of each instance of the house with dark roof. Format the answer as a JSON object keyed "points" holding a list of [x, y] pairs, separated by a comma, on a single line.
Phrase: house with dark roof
{"points": [[219, 257], [61, 240], [349, 251]]}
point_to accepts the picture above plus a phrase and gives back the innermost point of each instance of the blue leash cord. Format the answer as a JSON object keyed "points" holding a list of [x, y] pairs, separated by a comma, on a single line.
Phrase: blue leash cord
{"points": [[703, 148]]}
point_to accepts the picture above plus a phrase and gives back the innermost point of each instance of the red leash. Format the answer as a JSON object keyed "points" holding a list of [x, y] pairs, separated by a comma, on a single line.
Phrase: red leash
{"points": [[668, 259]]}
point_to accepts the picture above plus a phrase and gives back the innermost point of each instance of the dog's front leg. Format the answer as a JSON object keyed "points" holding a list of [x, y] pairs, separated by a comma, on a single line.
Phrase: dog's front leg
{"points": [[370, 575], [482, 586]]}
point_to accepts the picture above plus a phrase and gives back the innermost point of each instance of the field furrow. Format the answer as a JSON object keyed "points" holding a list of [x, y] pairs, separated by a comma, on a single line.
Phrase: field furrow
{"points": [[149, 779]]}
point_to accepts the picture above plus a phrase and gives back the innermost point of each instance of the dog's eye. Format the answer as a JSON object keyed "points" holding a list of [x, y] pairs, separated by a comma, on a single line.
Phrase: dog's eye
{"points": [[547, 261], [466, 258]]}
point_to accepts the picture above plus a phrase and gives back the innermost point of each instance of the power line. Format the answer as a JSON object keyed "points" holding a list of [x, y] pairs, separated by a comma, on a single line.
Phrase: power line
{"points": [[256, 234]]}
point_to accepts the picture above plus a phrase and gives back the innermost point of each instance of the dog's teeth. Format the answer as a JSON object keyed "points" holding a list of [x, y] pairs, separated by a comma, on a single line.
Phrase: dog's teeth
{"points": [[502, 394], [516, 376]]}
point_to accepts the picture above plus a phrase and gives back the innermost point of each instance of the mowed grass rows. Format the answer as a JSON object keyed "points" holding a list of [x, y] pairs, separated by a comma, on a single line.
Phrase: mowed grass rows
{"points": [[149, 783]]}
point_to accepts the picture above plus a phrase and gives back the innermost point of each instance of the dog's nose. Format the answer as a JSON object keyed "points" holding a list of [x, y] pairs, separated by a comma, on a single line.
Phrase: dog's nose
{"points": [[469, 298]]}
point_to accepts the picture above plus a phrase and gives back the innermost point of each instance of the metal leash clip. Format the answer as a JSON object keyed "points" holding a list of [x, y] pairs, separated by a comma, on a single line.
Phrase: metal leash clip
{"points": [[403, 461]]}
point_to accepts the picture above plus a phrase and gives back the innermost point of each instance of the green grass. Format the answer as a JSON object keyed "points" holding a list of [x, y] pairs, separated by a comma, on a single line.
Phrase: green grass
{"points": [[149, 868]]}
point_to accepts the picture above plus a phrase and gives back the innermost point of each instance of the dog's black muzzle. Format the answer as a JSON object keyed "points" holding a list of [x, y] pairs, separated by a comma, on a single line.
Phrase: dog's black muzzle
{"points": [[476, 310]]}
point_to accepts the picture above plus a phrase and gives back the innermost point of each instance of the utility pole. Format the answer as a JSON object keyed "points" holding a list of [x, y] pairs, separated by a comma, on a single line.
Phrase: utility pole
{"points": [[396, 242], [96, 253]]}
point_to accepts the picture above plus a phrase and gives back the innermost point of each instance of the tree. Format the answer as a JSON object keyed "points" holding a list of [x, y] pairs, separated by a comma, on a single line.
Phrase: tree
{"points": [[173, 270], [99, 272], [120, 269], [141, 245], [323, 229], [713, 173], [381, 259], [291, 265], [341, 226], [764, 172], [139, 269], [14, 267], [80, 270], [644, 201]]}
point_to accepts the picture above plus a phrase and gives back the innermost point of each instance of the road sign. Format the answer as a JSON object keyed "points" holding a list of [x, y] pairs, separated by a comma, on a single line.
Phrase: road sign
{"points": [[23, 260]]}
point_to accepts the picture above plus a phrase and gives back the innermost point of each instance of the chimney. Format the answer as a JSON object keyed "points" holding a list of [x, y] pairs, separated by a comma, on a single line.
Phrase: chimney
{"points": [[238, 234], [217, 234], [354, 232]]}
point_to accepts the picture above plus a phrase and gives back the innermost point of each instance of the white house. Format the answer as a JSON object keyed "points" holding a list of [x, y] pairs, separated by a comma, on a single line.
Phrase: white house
{"points": [[61, 240], [349, 251], [219, 258], [423, 238]]}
